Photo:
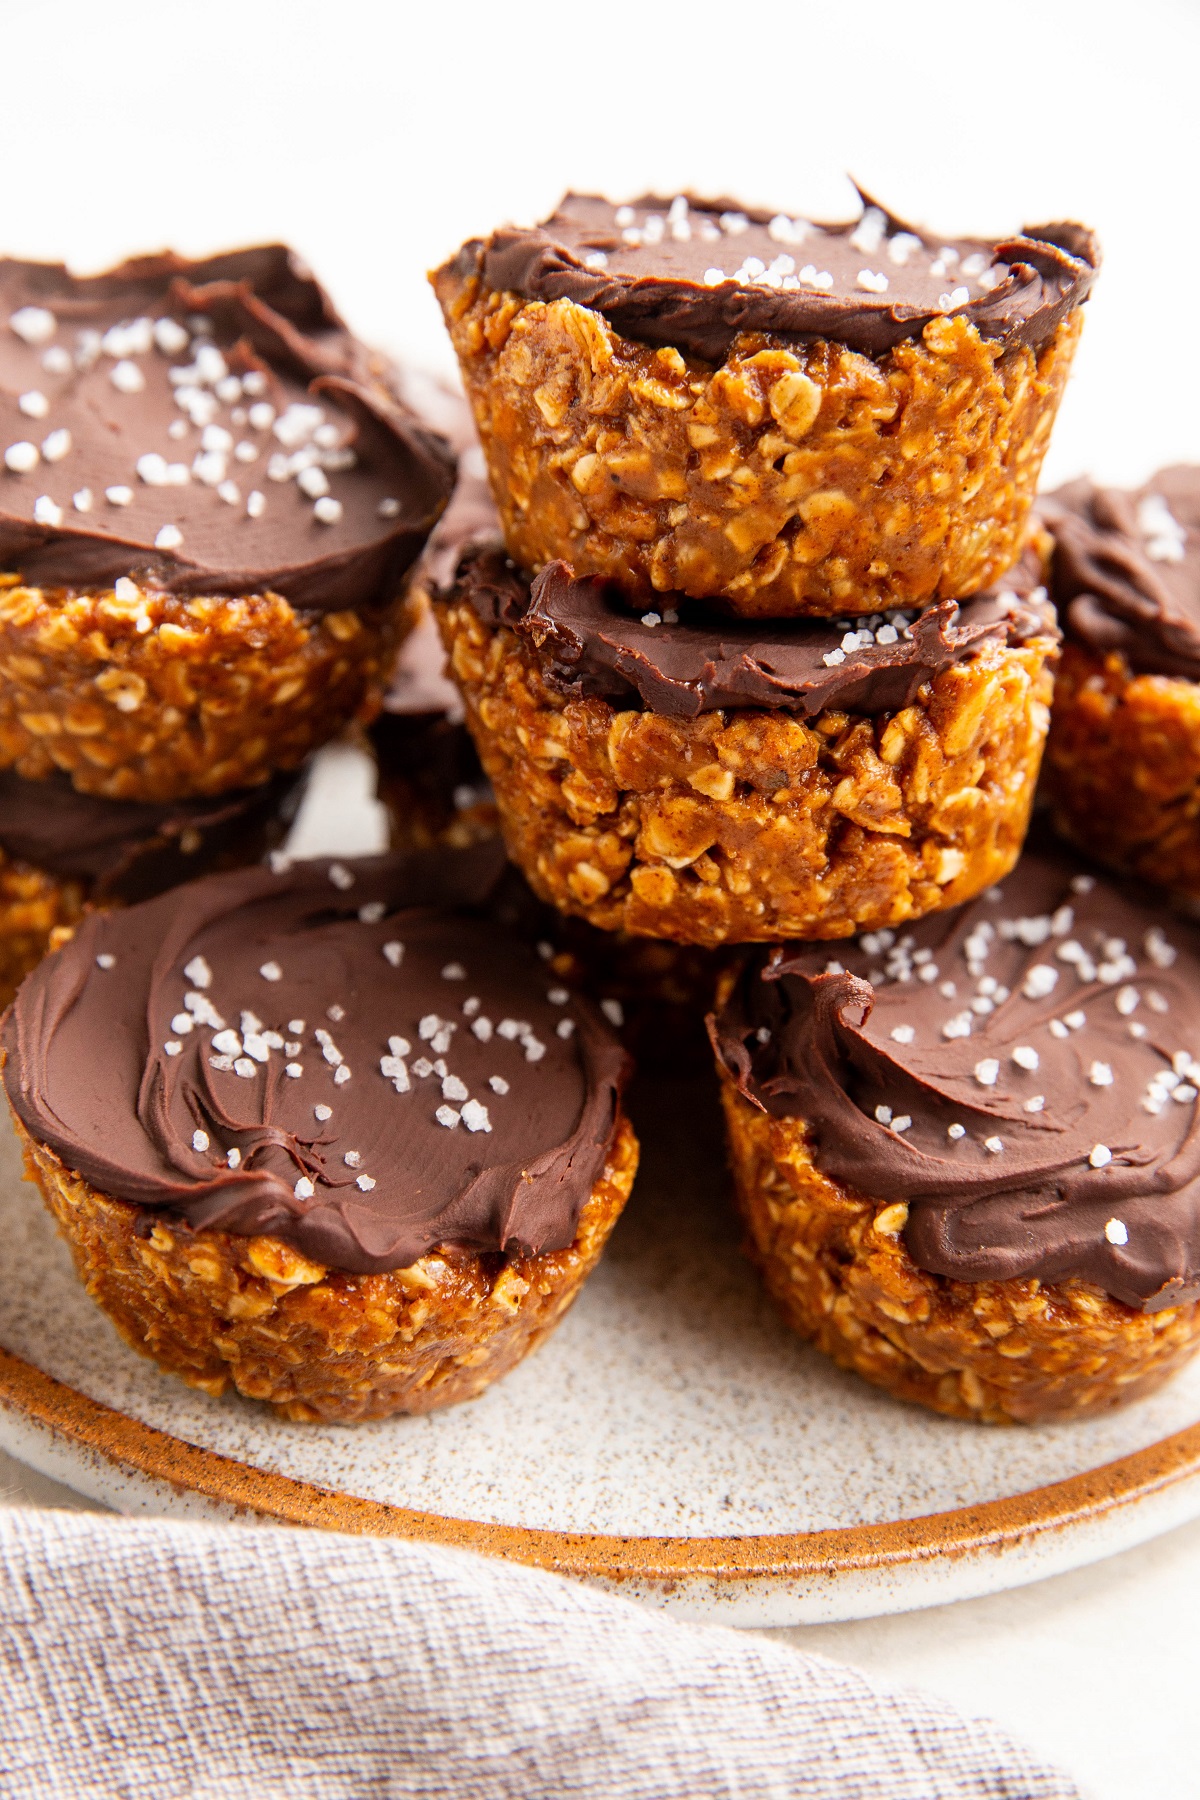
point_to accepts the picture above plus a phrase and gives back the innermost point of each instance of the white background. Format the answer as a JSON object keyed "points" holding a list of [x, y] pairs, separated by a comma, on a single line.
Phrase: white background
{"points": [[375, 137]]}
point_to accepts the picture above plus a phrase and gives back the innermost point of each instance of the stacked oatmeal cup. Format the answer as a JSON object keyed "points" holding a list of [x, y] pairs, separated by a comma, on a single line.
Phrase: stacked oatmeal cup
{"points": [[758, 662], [766, 659], [208, 500], [313, 1132]]}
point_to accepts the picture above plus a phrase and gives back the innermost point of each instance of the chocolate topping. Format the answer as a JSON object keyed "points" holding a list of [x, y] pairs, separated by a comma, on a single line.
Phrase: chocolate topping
{"points": [[1020, 1071], [1126, 569], [588, 645], [209, 428], [351, 1059], [695, 273], [127, 850]]}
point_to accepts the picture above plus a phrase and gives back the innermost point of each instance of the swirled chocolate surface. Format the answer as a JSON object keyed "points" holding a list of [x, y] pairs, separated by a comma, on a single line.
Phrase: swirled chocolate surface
{"points": [[589, 645], [695, 273], [205, 428], [1126, 569], [125, 850], [350, 1058], [1021, 1072]]}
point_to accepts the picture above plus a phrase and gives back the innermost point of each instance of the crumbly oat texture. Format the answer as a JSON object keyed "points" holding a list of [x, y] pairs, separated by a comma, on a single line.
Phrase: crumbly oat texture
{"points": [[249, 1313], [156, 697], [1122, 770], [788, 479], [997, 1351], [736, 827], [33, 907]]}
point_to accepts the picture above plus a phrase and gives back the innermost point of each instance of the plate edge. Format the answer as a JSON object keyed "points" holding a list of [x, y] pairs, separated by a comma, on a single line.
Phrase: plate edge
{"points": [[991, 1526]]}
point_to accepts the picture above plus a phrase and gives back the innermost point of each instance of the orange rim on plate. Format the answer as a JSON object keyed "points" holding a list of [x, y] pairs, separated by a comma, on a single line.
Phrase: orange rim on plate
{"points": [[992, 1525]]}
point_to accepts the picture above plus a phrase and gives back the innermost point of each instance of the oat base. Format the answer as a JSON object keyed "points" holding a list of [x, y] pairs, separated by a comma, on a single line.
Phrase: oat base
{"points": [[789, 479], [1123, 768], [34, 907], [158, 698], [997, 1351], [248, 1313], [741, 826]]}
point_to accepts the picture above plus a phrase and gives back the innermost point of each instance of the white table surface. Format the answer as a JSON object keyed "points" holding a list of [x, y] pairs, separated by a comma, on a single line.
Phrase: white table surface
{"points": [[1096, 1669]]}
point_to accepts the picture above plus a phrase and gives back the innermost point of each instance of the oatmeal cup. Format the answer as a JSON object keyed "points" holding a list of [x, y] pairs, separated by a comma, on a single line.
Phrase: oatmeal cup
{"points": [[1122, 773], [697, 399], [343, 1151], [968, 1156], [209, 500], [62, 851], [716, 782]]}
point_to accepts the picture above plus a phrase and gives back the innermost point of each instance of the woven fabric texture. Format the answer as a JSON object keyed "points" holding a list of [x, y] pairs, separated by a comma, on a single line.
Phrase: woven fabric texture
{"points": [[221, 1662]]}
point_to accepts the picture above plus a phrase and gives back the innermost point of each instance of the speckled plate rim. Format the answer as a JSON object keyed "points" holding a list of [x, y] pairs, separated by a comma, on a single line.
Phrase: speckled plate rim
{"points": [[1090, 1498]]}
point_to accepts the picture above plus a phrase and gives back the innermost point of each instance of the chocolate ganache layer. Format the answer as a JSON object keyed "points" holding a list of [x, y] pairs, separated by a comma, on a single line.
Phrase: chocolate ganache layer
{"points": [[126, 850], [1126, 569], [1021, 1071], [588, 645], [352, 1059], [695, 273], [208, 427]]}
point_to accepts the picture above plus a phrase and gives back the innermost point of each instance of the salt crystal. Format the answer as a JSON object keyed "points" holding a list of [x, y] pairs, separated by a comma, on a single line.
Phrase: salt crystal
{"points": [[475, 1117], [1040, 981], [33, 324], [126, 377]]}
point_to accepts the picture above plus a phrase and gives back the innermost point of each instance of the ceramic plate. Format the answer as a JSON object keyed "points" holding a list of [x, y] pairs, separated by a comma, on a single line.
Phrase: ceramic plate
{"points": [[671, 1438]]}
